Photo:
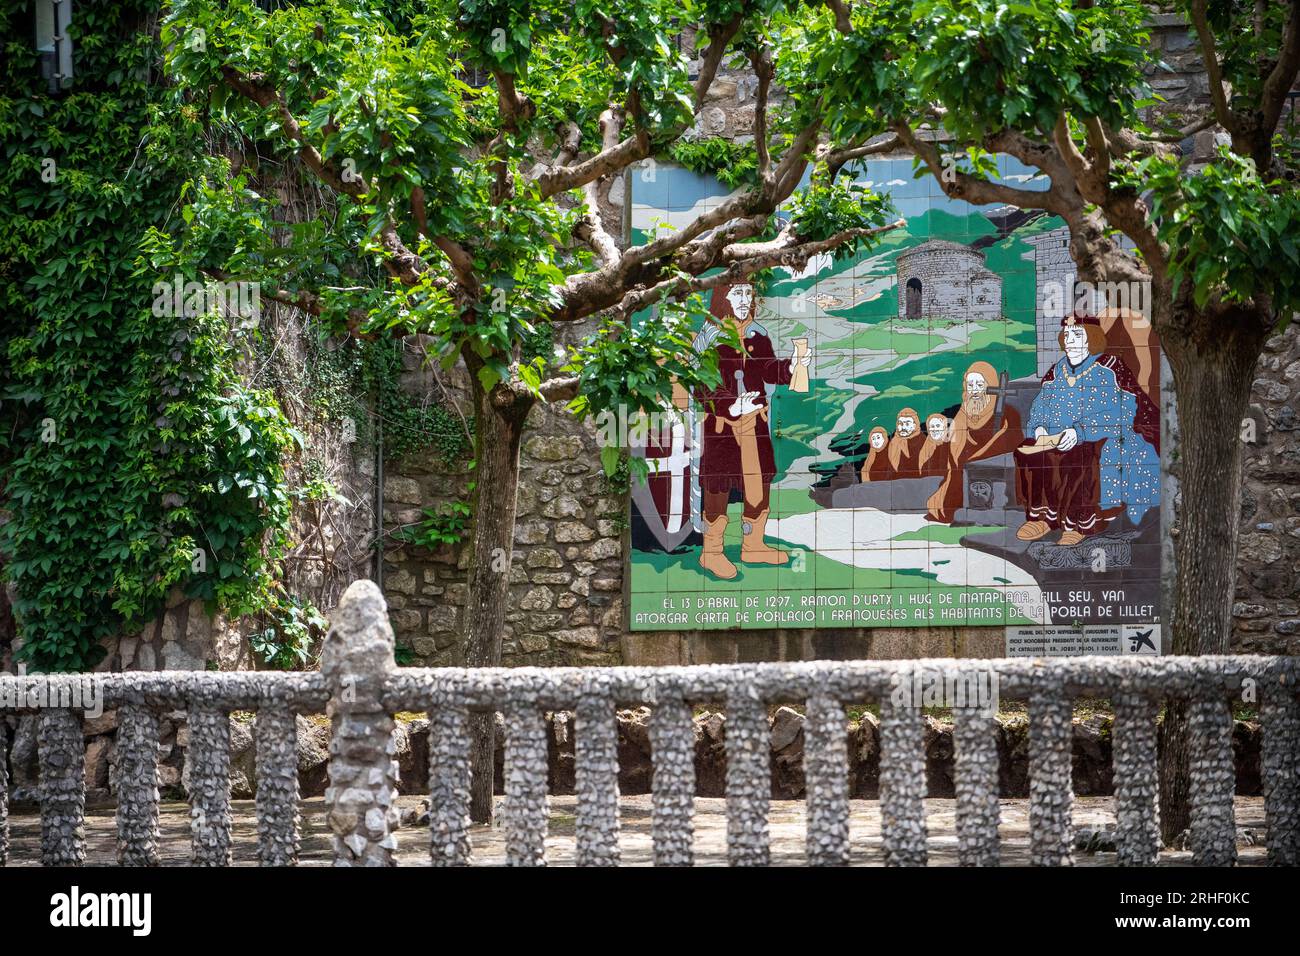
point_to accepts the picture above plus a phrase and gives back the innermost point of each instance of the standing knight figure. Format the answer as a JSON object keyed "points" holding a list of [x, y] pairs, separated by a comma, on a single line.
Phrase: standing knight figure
{"points": [[735, 441]]}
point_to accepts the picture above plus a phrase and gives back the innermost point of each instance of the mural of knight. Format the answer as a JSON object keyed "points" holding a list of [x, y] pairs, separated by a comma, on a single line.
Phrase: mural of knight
{"points": [[736, 452]]}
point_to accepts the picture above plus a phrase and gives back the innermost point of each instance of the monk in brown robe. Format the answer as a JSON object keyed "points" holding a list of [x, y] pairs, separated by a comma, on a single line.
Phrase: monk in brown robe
{"points": [[933, 459], [737, 452], [876, 467], [905, 446], [975, 436]]}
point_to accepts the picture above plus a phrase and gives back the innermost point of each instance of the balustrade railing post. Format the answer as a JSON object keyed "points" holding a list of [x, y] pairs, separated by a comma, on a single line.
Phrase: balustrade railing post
{"points": [[526, 804], [277, 786], [1137, 788], [902, 782], [449, 784], [1213, 783], [1051, 777], [1280, 768], [356, 661], [4, 797], [672, 755], [137, 785], [749, 778], [208, 781], [62, 754], [975, 742], [826, 781], [596, 782]]}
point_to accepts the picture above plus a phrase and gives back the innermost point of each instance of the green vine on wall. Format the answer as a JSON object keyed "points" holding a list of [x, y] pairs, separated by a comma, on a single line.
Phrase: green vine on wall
{"points": [[360, 380], [732, 164], [134, 459]]}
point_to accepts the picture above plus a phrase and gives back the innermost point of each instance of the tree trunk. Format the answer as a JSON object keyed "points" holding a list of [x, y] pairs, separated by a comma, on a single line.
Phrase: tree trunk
{"points": [[1213, 366], [498, 430]]}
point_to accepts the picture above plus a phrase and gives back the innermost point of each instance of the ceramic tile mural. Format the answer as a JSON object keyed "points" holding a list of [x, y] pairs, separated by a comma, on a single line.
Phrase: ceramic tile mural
{"points": [[929, 433]]}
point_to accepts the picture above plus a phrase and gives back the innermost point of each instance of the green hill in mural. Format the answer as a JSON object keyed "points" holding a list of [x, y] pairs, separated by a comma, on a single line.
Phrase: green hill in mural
{"points": [[927, 357]]}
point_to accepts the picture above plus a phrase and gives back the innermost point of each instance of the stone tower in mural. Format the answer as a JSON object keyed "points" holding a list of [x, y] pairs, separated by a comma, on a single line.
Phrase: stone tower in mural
{"points": [[1054, 278], [947, 280]]}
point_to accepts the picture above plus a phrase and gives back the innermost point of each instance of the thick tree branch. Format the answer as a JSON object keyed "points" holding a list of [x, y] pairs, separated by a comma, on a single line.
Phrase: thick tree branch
{"points": [[960, 185], [400, 260], [1282, 77], [558, 179], [719, 36], [1100, 148], [760, 62], [836, 159], [841, 10], [743, 260], [618, 155], [591, 229], [1214, 72]]}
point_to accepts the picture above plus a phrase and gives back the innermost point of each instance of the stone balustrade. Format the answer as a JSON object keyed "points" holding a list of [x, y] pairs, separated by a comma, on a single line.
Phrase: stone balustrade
{"points": [[360, 689]]}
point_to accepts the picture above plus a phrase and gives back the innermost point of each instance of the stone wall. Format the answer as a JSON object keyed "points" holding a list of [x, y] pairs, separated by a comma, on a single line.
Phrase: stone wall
{"points": [[568, 594], [1266, 613]]}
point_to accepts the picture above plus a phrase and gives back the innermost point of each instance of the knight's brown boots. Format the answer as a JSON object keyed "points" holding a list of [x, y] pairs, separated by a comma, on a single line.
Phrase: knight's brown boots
{"points": [[754, 550], [1033, 530], [712, 558]]}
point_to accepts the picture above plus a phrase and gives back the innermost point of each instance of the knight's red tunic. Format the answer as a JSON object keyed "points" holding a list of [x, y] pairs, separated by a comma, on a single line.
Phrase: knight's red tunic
{"points": [[758, 366]]}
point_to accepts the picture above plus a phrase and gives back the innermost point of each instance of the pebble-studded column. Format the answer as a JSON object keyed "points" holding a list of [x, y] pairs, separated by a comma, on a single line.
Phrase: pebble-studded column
{"points": [[277, 787], [62, 756], [672, 755], [1213, 782], [4, 798], [749, 781], [449, 785], [526, 805], [1137, 788], [208, 766], [1280, 768], [596, 780], [975, 742], [826, 779], [137, 785], [1051, 781], [902, 783], [356, 661]]}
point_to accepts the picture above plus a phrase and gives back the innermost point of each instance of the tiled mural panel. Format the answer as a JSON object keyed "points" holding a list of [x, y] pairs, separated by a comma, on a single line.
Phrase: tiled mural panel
{"points": [[943, 430]]}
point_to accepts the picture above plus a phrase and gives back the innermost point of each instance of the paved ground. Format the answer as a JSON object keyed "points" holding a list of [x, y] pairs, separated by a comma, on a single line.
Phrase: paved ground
{"points": [[786, 820]]}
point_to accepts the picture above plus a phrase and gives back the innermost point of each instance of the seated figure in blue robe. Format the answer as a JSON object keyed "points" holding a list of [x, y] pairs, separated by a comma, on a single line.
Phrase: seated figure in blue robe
{"points": [[1093, 445]]}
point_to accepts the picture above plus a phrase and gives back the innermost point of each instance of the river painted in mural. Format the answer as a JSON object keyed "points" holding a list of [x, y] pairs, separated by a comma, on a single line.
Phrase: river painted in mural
{"points": [[926, 434]]}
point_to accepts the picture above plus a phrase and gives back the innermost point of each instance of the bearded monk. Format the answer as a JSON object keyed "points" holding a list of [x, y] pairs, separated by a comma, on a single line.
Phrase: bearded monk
{"points": [[876, 467], [905, 446], [933, 459], [736, 451], [976, 435]]}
